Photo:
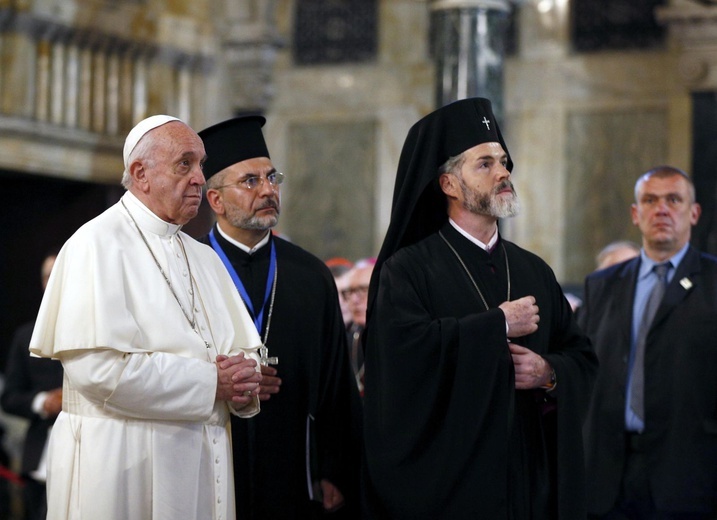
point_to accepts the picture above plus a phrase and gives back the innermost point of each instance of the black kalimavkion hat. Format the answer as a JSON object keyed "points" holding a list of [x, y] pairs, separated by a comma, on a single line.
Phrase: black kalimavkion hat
{"points": [[233, 141]]}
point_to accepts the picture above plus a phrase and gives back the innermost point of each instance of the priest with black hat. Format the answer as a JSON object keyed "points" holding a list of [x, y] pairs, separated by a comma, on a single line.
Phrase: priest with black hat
{"points": [[300, 457], [477, 376]]}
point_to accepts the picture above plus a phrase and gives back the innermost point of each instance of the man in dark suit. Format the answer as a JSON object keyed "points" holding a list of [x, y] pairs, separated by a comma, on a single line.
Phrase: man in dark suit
{"points": [[651, 432], [33, 389]]}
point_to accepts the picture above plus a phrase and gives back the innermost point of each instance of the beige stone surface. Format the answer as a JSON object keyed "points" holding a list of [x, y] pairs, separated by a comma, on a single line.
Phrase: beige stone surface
{"points": [[580, 127], [76, 75]]}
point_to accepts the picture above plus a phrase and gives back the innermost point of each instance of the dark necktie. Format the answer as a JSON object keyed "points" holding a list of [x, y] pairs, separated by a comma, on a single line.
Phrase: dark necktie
{"points": [[637, 387], [356, 355]]}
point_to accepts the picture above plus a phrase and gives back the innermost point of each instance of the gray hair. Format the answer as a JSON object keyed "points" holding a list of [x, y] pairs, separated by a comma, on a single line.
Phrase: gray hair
{"points": [[216, 180], [606, 251], [140, 152], [453, 164]]}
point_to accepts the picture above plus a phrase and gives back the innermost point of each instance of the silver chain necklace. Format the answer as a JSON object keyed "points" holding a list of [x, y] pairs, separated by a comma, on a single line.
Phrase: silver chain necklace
{"points": [[480, 293], [189, 316], [264, 357]]}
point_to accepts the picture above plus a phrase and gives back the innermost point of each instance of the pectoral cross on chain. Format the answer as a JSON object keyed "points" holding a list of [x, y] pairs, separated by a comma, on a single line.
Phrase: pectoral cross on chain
{"points": [[264, 358], [206, 343]]}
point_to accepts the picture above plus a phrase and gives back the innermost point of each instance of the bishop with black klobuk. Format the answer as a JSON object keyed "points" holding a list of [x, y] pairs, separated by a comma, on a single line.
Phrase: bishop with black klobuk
{"points": [[477, 376], [299, 458]]}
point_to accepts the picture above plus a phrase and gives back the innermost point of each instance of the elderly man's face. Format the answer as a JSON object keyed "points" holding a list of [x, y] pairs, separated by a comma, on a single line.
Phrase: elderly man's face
{"points": [[174, 173], [356, 293], [256, 208]]}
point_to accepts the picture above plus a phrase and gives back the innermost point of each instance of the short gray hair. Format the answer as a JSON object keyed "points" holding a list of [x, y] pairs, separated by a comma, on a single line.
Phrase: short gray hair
{"points": [[217, 180], [616, 246], [662, 172], [453, 164], [141, 152]]}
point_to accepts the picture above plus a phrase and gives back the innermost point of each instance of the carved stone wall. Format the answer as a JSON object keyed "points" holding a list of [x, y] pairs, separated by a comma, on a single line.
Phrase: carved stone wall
{"points": [[249, 46], [693, 27], [75, 76]]}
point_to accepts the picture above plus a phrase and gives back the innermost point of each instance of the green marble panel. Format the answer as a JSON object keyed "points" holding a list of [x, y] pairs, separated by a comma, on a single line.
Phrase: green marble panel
{"points": [[606, 153], [328, 196]]}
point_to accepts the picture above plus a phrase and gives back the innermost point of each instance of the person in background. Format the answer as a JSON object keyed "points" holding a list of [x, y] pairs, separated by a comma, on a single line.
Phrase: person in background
{"points": [[611, 254], [651, 430], [616, 252], [33, 390], [8, 478], [477, 375], [299, 458], [339, 267], [356, 294], [157, 349]]}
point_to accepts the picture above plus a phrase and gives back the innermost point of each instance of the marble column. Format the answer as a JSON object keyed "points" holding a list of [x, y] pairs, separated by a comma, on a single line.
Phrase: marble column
{"points": [[468, 41], [250, 47]]}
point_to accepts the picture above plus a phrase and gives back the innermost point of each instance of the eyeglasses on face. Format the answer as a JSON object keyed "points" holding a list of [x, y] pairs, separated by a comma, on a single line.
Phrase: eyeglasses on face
{"points": [[252, 182], [361, 290]]}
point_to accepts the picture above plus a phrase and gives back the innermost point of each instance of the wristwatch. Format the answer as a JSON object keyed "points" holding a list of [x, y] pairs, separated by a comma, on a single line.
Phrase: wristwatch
{"points": [[551, 384]]}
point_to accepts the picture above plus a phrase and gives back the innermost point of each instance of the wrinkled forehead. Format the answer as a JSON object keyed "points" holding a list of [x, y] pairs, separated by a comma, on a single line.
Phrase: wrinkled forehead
{"points": [[177, 139], [255, 165]]}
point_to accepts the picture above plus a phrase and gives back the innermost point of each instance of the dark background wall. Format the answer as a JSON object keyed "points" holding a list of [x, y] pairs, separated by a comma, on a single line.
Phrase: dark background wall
{"points": [[38, 214], [704, 168]]}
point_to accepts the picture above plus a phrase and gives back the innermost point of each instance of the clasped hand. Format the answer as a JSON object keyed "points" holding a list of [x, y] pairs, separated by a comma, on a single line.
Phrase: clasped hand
{"points": [[521, 315], [531, 369], [52, 405], [237, 379]]}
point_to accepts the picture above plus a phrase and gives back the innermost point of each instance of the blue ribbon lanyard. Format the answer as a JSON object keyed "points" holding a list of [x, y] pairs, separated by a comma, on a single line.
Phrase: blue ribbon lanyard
{"points": [[258, 318]]}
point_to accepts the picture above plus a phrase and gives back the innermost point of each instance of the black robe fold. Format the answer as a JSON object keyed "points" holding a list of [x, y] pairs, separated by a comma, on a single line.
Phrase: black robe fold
{"points": [[307, 334], [446, 433]]}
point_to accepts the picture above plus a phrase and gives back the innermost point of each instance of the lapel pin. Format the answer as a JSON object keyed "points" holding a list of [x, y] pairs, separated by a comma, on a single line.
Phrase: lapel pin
{"points": [[686, 283]]}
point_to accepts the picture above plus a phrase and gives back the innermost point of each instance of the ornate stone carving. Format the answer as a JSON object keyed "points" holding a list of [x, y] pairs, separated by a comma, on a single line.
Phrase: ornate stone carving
{"points": [[693, 25], [693, 69], [250, 48], [79, 79]]}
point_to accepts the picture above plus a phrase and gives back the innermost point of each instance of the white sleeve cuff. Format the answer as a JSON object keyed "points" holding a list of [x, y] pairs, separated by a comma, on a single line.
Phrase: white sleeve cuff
{"points": [[38, 404]]}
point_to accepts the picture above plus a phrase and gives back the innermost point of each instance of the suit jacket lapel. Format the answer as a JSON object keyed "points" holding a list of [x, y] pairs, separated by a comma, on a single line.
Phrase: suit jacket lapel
{"points": [[625, 295], [686, 276]]}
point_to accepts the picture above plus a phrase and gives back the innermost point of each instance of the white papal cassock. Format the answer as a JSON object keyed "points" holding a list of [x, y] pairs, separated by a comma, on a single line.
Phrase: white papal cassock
{"points": [[140, 435]]}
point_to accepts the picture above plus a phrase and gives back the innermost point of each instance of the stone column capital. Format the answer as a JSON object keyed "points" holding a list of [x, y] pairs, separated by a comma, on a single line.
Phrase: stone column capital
{"points": [[693, 26], [249, 50]]}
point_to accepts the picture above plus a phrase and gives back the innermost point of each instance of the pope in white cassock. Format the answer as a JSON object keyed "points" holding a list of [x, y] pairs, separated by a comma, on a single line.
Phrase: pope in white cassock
{"points": [[157, 347]]}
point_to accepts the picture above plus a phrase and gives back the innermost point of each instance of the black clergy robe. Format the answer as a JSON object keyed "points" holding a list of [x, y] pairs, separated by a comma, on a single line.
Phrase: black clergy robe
{"points": [[446, 433], [307, 334]]}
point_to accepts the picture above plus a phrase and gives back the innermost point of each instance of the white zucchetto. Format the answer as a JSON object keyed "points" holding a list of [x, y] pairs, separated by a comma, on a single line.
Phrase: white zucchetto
{"points": [[142, 128]]}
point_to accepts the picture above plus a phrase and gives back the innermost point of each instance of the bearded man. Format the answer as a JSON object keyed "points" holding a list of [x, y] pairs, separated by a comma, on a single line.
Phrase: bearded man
{"points": [[477, 376], [300, 460]]}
